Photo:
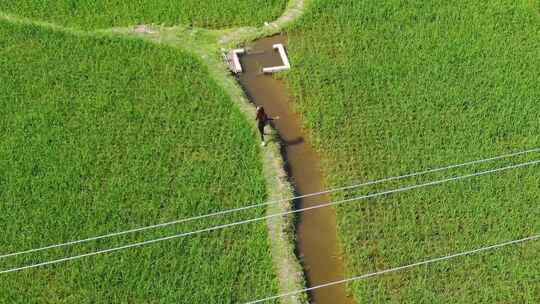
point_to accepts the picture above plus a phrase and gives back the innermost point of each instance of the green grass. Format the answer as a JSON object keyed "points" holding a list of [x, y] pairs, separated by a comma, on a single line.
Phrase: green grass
{"points": [[101, 134], [390, 87], [107, 13]]}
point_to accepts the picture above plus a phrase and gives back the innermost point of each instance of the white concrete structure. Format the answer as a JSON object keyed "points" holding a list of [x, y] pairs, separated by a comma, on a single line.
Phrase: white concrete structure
{"points": [[234, 61], [286, 65]]}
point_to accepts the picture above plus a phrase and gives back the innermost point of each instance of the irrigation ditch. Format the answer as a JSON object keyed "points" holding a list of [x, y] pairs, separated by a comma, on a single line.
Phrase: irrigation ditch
{"points": [[316, 238]]}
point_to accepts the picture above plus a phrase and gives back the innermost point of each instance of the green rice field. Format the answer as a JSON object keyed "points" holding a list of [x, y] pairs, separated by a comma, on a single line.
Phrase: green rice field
{"points": [[391, 87], [87, 14], [102, 134]]}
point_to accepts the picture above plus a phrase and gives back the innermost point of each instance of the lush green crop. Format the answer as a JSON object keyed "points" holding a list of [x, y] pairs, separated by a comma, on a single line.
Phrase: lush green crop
{"points": [[108, 13], [389, 87], [102, 134]]}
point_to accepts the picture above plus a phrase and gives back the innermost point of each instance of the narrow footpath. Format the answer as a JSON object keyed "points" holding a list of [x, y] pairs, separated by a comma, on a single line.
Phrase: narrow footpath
{"points": [[316, 229]]}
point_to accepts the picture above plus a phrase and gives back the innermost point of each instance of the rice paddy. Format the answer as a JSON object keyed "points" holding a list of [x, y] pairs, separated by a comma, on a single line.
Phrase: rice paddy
{"points": [[401, 86], [93, 14], [102, 134]]}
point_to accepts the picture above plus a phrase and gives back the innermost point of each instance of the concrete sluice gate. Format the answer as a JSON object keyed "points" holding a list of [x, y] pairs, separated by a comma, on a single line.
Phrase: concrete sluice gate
{"points": [[232, 58]]}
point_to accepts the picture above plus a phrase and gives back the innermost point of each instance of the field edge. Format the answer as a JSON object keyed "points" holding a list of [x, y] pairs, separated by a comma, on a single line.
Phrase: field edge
{"points": [[204, 46]]}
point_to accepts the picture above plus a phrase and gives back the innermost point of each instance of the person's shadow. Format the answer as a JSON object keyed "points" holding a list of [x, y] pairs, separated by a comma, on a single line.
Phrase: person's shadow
{"points": [[293, 142]]}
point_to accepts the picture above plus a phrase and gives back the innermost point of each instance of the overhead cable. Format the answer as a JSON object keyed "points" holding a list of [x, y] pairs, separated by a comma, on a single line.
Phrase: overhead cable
{"points": [[219, 227], [229, 211]]}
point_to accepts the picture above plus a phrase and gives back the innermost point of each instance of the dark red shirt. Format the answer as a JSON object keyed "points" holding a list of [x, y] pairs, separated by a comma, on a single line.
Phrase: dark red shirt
{"points": [[261, 116]]}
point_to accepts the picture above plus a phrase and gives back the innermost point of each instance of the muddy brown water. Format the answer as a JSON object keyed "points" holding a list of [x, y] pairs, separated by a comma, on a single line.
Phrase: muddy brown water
{"points": [[316, 229]]}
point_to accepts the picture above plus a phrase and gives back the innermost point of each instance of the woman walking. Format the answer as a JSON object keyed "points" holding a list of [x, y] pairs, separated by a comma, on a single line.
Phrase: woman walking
{"points": [[262, 120]]}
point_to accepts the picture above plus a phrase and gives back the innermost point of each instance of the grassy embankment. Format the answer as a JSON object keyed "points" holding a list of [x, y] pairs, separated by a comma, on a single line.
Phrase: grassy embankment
{"points": [[102, 134], [106, 13], [389, 87]]}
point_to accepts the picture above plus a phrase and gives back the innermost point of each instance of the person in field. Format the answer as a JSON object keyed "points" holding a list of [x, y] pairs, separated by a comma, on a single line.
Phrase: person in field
{"points": [[262, 120]]}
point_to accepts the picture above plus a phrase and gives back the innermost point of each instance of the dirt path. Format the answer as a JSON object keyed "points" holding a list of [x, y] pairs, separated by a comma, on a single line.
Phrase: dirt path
{"points": [[294, 10]]}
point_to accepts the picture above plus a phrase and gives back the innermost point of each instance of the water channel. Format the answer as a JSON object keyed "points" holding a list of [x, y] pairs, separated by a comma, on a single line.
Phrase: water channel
{"points": [[316, 237]]}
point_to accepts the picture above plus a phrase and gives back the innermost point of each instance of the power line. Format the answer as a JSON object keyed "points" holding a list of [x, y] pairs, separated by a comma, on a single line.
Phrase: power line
{"points": [[224, 212], [378, 273], [214, 228]]}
